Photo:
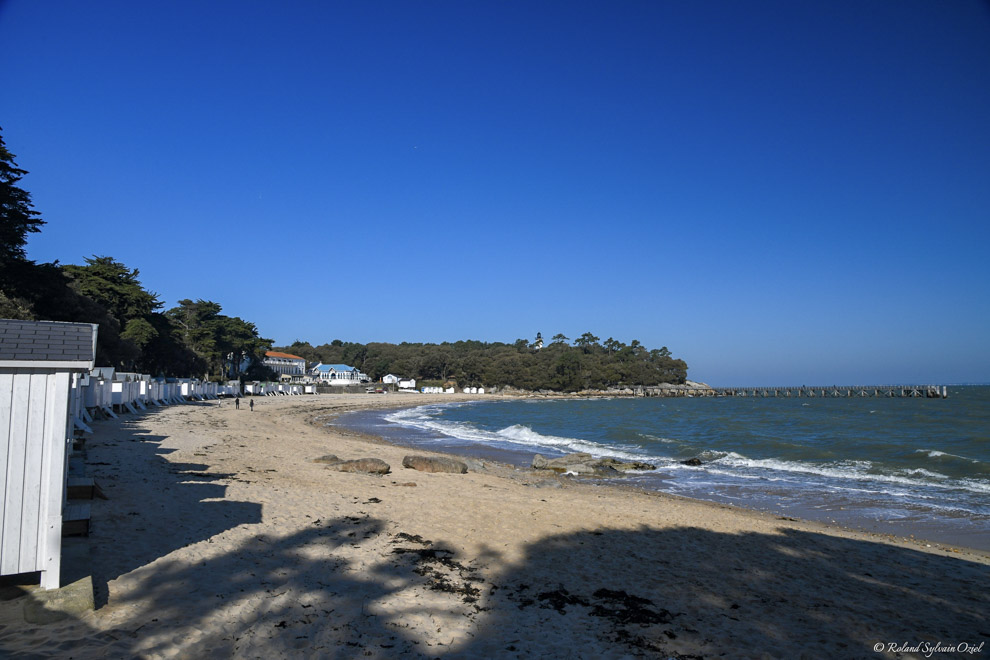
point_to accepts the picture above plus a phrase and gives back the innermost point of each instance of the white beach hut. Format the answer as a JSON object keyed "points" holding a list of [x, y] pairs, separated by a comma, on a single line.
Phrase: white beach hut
{"points": [[231, 388], [78, 414], [37, 363], [125, 390], [156, 391], [98, 393]]}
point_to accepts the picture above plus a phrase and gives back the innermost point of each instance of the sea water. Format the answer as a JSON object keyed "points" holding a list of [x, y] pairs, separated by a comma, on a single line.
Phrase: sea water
{"points": [[889, 465]]}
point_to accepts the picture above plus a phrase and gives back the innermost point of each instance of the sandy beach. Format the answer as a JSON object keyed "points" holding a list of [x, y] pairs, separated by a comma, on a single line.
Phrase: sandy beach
{"points": [[221, 537]]}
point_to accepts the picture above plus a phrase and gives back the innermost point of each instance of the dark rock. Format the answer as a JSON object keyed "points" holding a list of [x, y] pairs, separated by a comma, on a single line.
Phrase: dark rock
{"points": [[369, 465], [692, 461], [579, 463], [584, 464], [578, 469], [623, 466], [570, 459], [434, 464], [606, 471]]}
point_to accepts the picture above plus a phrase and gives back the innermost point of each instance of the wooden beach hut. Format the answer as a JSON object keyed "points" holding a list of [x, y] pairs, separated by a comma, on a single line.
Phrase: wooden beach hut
{"points": [[38, 360], [98, 390]]}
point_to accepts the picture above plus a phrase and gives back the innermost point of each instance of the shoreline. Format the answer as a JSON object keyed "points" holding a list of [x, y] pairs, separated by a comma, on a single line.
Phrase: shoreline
{"points": [[914, 531], [222, 537]]}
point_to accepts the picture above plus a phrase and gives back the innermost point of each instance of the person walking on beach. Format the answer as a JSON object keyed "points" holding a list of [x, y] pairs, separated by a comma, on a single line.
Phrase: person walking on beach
{"points": [[237, 403], [252, 405]]}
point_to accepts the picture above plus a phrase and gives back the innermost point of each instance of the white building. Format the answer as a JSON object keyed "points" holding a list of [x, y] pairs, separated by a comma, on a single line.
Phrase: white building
{"points": [[338, 374], [40, 361], [390, 379], [285, 364], [407, 384]]}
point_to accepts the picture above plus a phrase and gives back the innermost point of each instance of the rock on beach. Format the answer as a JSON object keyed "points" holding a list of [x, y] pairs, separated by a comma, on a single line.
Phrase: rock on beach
{"points": [[369, 465], [435, 464], [581, 463]]}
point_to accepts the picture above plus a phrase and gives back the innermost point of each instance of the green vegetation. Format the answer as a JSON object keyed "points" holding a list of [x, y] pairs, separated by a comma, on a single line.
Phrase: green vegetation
{"points": [[588, 364]]}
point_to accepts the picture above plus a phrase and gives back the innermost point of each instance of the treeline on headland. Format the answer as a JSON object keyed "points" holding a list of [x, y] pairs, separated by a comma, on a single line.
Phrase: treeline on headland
{"points": [[196, 339], [560, 366], [191, 339]]}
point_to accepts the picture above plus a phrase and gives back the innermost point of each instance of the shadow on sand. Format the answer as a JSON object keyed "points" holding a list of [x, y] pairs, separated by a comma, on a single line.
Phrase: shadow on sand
{"points": [[683, 592]]}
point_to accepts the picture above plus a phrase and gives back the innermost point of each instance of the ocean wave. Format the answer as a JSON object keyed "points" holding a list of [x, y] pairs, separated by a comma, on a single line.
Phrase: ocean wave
{"points": [[852, 470], [940, 455], [424, 418], [976, 485], [852, 475], [657, 438]]}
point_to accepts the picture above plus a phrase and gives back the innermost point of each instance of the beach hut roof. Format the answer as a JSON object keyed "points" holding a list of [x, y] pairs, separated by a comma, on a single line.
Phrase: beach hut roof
{"points": [[47, 344]]}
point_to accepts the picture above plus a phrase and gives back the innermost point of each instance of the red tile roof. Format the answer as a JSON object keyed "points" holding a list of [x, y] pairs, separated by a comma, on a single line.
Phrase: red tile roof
{"points": [[282, 355]]}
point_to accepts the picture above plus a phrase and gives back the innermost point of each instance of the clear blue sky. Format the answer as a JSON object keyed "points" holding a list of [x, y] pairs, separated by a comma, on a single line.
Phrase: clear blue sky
{"points": [[780, 192]]}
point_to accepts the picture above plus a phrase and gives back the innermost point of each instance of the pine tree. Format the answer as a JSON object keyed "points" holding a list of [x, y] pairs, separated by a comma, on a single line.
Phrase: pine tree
{"points": [[17, 215]]}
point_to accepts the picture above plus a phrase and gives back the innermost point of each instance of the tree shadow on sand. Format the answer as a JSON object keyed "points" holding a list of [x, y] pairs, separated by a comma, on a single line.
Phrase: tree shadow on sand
{"points": [[689, 592], [353, 586], [176, 504], [671, 593]]}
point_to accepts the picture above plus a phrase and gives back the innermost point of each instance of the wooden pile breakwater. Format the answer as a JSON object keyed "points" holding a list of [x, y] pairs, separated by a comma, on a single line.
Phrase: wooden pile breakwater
{"points": [[806, 391]]}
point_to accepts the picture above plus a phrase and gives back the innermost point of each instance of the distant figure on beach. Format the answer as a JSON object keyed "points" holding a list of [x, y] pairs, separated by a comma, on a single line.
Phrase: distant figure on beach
{"points": [[252, 405], [237, 404]]}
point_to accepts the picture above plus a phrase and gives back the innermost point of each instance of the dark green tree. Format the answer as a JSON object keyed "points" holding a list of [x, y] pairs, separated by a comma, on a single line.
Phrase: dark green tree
{"points": [[117, 288], [17, 215], [230, 346], [17, 219], [612, 346], [586, 341]]}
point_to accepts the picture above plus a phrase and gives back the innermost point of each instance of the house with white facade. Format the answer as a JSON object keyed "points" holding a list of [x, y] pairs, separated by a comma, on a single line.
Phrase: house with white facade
{"points": [[390, 379], [338, 374], [285, 364], [407, 384]]}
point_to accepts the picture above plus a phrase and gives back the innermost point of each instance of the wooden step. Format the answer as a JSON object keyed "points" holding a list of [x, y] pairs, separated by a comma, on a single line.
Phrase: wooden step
{"points": [[83, 488], [75, 519]]}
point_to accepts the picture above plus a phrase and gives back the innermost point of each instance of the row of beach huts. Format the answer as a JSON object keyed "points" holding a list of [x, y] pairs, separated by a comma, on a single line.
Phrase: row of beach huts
{"points": [[105, 391], [451, 390], [50, 392]]}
